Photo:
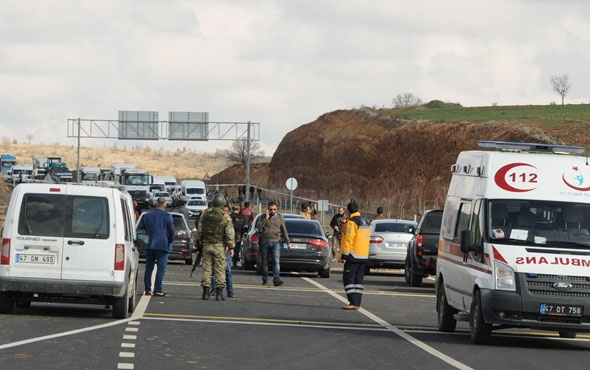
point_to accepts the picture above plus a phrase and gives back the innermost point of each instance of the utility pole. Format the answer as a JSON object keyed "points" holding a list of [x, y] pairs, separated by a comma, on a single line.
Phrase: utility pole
{"points": [[248, 164]]}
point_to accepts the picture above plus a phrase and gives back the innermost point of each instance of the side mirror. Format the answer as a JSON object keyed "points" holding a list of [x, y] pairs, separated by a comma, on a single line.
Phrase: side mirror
{"points": [[328, 234], [466, 237]]}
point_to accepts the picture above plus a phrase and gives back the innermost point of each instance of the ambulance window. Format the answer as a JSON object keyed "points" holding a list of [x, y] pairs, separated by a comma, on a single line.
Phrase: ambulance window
{"points": [[463, 221], [477, 223], [42, 215], [450, 217]]}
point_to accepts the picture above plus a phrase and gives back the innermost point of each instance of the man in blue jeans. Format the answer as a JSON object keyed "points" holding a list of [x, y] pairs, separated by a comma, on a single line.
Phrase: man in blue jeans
{"points": [[271, 226], [159, 226]]}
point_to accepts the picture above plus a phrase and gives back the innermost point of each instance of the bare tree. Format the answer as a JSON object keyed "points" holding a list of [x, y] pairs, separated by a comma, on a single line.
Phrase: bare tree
{"points": [[406, 100], [29, 137], [238, 152], [561, 85]]}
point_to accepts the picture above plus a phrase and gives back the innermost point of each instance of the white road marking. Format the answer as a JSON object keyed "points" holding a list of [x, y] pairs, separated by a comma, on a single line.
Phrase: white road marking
{"points": [[130, 337], [125, 366], [132, 329], [127, 354], [449, 360], [134, 323], [127, 345]]}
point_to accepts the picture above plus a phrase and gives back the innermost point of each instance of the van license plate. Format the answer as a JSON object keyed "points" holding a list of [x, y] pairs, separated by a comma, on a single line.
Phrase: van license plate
{"points": [[34, 258], [561, 310]]}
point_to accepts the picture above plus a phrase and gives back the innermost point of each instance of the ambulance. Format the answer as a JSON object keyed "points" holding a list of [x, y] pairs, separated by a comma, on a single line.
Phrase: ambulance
{"points": [[514, 245]]}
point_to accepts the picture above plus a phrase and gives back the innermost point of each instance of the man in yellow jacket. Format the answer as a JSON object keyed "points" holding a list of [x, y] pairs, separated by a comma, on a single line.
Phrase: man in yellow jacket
{"points": [[354, 251]]}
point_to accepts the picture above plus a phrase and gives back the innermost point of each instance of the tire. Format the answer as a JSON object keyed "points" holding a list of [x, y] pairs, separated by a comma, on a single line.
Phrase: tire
{"points": [[121, 306], [6, 303], [324, 273], [258, 268], [407, 271], [189, 261], [23, 304], [413, 279], [567, 334], [133, 298], [480, 331], [367, 270], [446, 321]]}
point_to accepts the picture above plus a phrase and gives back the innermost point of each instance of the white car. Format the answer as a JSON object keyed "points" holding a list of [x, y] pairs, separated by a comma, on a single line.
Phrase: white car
{"points": [[389, 242], [162, 194], [196, 206]]}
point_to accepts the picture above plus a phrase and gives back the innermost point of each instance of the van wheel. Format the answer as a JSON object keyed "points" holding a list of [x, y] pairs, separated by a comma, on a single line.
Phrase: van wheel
{"points": [[133, 298], [411, 277], [567, 334], [324, 273], [446, 321], [6, 303], [480, 331], [121, 306]]}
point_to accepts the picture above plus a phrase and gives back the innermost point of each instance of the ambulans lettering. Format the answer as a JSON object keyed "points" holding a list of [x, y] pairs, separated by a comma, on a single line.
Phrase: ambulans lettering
{"points": [[564, 261], [517, 177]]}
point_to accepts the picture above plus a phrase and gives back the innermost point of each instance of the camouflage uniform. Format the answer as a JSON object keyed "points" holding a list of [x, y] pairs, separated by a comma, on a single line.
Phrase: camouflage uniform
{"points": [[216, 232]]}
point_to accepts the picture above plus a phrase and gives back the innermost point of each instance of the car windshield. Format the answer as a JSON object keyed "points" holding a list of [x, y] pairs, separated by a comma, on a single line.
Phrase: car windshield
{"points": [[162, 195], [303, 227], [544, 223], [196, 202], [394, 227]]}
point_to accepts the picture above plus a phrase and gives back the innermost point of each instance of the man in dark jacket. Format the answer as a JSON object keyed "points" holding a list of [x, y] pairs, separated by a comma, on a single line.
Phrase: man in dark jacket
{"points": [[336, 225], [271, 226]]}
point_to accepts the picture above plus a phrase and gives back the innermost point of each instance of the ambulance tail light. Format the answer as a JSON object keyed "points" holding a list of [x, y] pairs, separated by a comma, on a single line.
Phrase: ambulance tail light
{"points": [[504, 277], [419, 243], [119, 257], [5, 254]]}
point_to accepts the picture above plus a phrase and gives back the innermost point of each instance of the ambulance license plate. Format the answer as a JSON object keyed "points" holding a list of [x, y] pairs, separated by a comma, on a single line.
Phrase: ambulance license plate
{"points": [[561, 310], [34, 258]]}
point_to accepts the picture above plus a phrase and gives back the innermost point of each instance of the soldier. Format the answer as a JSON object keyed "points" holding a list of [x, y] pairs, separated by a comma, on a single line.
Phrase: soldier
{"points": [[216, 233], [238, 221]]}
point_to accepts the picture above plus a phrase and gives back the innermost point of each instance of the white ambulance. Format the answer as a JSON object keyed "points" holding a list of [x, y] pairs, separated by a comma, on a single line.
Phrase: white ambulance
{"points": [[514, 247], [69, 243]]}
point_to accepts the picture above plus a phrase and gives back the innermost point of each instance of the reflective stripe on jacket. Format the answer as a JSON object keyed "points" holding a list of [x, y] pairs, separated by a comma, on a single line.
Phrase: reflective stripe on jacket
{"points": [[356, 238]]}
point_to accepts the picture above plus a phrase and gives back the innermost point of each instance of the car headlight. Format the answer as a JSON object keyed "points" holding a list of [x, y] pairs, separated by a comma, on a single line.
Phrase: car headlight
{"points": [[504, 277]]}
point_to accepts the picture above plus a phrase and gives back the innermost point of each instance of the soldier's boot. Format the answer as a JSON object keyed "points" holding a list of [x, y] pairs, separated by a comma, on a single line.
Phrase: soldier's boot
{"points": [[219, 295], [206, 292]]}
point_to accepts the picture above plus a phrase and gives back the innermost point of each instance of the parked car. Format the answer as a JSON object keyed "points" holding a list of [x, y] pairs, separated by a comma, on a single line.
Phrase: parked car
{"points": [[423, 248], [249, 246], [195, 207], [182, 246], [161, 194], [310, 250], [69, 243], [389, 243]]}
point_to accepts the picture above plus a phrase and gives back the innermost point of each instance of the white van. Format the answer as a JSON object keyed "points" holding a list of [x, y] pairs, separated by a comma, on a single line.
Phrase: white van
{"points": [[69, 243], [193, 189], [514, 247]]}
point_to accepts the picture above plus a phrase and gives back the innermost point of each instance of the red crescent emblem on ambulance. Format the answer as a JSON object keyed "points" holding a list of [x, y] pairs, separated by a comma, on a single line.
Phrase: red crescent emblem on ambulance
{"points": [[573, 186], [500, 177]]}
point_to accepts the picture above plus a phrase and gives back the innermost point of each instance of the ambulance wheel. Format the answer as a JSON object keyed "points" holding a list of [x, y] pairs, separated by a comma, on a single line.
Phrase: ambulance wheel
{"points": [[121, 306], [480, 331], [567, 334], [6, 303], [446, 321]]}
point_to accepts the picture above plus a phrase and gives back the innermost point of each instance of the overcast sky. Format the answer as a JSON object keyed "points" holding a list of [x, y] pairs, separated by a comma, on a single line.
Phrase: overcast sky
{"points": [[281, 63]]}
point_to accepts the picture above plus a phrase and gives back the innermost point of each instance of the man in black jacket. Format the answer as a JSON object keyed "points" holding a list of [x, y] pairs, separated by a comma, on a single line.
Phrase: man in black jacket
{"points": [[336, 225]]}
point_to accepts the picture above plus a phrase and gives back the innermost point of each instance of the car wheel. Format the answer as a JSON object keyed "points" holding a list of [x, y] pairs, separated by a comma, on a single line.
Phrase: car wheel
{"points": [[247, 264], [480, 331], [324, 273], [23, 304], [407, 271], [367, 270], [6, 303], [189, 261], [121, 306], [567, 334], [415, 280], [446, 321]]}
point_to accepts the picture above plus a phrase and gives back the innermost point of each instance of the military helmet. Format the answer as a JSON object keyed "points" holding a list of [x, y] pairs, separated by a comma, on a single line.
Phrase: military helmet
{"points": [[218, 200]]}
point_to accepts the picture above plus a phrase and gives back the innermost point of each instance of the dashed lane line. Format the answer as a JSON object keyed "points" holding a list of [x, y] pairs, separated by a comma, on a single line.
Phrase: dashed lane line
{"points": [[425, 347]]}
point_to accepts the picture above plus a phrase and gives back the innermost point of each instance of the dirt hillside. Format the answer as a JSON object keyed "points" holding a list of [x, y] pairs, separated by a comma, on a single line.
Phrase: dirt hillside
{"points": [[401, 165]]}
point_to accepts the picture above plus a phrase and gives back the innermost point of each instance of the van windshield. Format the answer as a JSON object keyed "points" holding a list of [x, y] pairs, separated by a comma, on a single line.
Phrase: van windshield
{"points": [[539, 222], [195, 191], [60, 215]]}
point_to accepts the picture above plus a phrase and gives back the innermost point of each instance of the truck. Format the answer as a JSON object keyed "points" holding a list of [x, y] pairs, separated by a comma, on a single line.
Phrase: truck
{"points": [[514, 244], [423, 248], [88, 175], [58, 173], [168, 181], [21, 173], [135, 181], [41, 167], [6, 162]]}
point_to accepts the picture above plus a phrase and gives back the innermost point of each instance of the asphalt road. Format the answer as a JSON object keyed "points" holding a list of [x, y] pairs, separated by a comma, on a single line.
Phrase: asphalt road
{"points": [[296, 326]]}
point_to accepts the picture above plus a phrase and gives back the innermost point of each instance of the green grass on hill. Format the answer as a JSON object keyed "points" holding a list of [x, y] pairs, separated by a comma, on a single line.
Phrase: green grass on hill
{"points": [[552, 115]]}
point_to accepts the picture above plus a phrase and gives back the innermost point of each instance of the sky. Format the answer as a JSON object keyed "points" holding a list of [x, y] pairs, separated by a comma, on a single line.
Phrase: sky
{"points": [[280, 63]]}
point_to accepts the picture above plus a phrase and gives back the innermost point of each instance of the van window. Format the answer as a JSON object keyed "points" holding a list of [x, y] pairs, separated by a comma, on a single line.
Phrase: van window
{"points": [[126, 220], [59, 215], [42, 215], [89, 217], [463, 221]]}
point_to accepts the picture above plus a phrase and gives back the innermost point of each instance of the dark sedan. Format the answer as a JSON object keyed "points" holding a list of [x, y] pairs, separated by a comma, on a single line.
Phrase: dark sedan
{"points": [[249, 246], [309, 251], [182, 246]]}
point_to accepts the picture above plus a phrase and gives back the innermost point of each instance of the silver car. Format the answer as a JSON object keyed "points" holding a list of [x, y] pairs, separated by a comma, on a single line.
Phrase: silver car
{"points": [[162, 194], [389, 243]]}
